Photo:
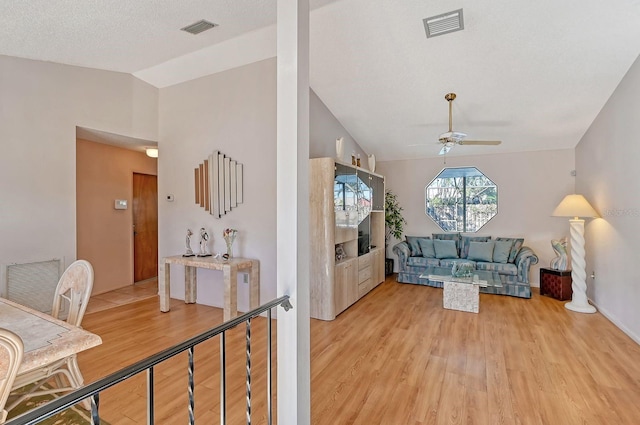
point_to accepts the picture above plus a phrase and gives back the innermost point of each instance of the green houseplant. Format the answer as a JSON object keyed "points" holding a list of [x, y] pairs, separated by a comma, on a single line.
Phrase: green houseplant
{"points": [[394, 224]]}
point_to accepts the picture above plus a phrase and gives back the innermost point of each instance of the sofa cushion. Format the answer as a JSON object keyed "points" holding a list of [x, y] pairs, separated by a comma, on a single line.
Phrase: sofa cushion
{"points": [[426, 246], [501, 251], [423, 262], [464, 243], [502, 268], [481, 251], [517, 244], [414, 246], [445, 248], [448, 237]]}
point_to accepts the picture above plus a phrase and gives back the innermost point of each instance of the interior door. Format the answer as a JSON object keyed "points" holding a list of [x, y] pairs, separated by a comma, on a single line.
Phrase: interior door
{"points": [[145, 227]]}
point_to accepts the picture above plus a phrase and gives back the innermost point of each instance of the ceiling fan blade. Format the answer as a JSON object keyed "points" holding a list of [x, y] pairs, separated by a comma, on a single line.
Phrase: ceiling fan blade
{"points": [[480, 142], [445, 149]]}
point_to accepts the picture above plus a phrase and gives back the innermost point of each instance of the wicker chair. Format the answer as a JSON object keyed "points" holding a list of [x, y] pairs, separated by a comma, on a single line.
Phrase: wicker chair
{"points": [[11, 351], [73, 291]]}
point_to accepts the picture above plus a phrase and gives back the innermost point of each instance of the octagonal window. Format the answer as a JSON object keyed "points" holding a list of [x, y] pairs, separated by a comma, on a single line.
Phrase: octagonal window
{"points": [[461, 199]]}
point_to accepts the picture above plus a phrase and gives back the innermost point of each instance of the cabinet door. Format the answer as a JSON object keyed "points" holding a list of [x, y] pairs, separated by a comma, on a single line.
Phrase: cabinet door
{"points": [[377, 186], [346, 285], [378, 266]]}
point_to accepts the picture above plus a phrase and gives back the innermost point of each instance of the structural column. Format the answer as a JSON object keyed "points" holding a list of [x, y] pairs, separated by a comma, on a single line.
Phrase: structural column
{"points": [[293, 211]]}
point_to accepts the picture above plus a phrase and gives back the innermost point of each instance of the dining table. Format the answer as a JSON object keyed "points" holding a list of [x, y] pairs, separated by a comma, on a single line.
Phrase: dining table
{"points": [[46, 339]]}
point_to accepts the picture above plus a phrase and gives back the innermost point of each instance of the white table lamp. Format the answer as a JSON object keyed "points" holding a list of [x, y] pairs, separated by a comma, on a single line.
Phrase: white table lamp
{"points": [[576, 206]]}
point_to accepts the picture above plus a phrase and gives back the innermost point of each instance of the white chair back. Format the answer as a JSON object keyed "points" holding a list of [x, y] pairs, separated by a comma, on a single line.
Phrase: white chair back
{"points": [[11, 351], [74, 287]]}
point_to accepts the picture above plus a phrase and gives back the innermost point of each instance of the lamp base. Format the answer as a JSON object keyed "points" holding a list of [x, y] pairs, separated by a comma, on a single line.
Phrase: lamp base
{"points": [[580, 308]]}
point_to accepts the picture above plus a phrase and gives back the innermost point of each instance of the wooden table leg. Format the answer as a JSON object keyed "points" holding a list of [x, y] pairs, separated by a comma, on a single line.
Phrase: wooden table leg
{"points": [[190, 285], [254, 284], [230, 291], [164, 287]]}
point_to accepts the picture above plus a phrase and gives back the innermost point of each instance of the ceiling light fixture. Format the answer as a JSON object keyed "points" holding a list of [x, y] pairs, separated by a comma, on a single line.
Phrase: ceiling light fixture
{"points": [[444, 23], [198, 27], [152, 152]]}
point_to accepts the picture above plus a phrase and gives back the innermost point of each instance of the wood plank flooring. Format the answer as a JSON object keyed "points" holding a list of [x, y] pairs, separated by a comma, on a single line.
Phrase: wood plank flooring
{"points": [[395, 357]]}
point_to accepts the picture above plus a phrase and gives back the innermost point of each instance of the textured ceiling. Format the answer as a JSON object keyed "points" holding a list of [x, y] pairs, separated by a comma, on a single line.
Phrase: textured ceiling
{"points": [[532, 74]]}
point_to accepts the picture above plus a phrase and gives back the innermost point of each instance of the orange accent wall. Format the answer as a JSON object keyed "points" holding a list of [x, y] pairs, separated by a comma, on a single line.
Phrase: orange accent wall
{"points": [[104, 173]]}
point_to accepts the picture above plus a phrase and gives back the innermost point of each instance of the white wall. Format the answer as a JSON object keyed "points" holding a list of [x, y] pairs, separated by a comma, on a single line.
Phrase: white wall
{"points": [[234, 112], [324, 129], [609, 177], [41, 104], [530, 185]]}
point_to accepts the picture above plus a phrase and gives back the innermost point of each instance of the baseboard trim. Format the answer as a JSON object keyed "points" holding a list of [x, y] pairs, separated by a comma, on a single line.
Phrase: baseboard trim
{"points": [[617, 323]]}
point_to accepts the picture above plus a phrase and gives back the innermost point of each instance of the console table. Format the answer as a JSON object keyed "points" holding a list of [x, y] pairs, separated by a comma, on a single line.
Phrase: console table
{"points": [[229, 269]]}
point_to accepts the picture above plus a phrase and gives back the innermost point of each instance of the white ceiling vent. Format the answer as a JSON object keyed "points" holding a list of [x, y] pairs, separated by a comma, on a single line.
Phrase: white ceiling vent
{"points": [[198, 27], [444, 23]]}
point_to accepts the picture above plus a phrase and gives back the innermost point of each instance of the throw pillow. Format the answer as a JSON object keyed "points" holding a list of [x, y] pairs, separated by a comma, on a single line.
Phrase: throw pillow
{"points": [[517, 244], [464, 243], [449, 237], [481, 251], [501, 251], [414, 246], [426, 246], [445, 248]]}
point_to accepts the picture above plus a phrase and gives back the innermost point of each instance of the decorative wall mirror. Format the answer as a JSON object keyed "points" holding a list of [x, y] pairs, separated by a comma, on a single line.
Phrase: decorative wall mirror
{"points": [[461, 199]]}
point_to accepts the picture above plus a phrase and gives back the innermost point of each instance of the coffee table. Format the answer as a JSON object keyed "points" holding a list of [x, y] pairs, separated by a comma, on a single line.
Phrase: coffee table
{"points": [[462, 293]]}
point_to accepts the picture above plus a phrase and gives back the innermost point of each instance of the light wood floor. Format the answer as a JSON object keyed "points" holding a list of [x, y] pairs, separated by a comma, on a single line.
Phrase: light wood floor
{"points": [[122, 296], [395, 357]]}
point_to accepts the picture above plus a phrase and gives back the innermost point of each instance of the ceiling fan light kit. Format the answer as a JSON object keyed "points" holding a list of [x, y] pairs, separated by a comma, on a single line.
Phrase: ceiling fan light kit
{"points": [[452, 138]]}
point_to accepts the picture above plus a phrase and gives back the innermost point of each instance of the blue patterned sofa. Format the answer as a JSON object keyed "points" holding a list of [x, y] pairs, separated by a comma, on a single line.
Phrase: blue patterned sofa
{"points": [[505, 256]]}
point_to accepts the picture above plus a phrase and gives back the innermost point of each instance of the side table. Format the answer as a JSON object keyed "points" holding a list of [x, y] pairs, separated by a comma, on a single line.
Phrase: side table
{"points": [[229, 269], [556, 283]]}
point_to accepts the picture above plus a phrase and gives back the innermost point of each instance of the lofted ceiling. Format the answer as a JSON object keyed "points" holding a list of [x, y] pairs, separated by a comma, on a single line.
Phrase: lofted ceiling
{"points": [[532, 74]]}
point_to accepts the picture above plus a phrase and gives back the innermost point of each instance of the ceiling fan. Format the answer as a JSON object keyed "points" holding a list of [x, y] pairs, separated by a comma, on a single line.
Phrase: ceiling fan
{"points": [[452, 138]]}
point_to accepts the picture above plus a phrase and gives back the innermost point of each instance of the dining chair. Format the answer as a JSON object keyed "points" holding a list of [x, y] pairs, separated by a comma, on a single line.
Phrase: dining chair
{"points": [[11, 351], [71, 297]]}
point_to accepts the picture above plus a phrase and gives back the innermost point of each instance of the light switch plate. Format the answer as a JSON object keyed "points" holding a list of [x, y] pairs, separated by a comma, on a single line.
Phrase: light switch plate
{"points": [[120, 204]]}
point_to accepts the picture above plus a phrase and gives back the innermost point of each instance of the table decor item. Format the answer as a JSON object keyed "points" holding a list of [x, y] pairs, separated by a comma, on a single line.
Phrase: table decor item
{"points": [[187, 242], [462, 269], [339, 148], [372, 163], [560, 247], [204, 238], [229, 236]]}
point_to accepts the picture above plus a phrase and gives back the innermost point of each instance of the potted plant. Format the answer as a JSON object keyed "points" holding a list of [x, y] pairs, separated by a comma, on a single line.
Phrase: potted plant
{"points": [[394, 224]]}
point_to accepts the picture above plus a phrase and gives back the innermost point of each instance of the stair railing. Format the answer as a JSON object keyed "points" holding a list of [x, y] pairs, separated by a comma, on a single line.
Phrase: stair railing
{"points": [[94, 389]]}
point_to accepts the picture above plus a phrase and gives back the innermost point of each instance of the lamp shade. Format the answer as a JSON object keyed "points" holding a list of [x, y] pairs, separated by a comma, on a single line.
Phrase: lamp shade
{"points": [[152, 152], [574, 206]]}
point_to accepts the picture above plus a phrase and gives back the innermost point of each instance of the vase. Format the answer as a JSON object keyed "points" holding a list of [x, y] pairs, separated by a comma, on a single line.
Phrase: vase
{"points": [[339, 148], [372, 163], [229, 248]]}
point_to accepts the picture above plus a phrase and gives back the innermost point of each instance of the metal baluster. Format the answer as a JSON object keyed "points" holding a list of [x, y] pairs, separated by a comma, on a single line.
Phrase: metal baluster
{"points": [[269, 382], [192, 419], [150, 401], [223, 380], [249, 372], [95, 404]]}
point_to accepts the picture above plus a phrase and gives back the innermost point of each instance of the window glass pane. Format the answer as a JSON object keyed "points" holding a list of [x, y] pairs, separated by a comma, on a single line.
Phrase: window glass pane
{"points": [[461, 199]]}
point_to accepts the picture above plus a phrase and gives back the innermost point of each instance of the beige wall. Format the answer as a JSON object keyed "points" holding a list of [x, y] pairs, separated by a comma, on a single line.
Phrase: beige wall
{"points": [[609, 177], [530, 185], [104, 235], [41, 104], [324, 129], [235, 112]]}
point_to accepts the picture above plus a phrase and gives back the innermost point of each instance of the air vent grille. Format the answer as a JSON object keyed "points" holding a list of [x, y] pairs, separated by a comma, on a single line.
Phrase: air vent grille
{"points": [[198, 27], [444, 23]]}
